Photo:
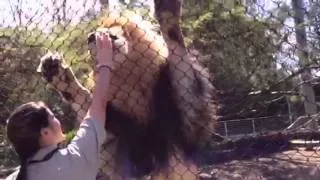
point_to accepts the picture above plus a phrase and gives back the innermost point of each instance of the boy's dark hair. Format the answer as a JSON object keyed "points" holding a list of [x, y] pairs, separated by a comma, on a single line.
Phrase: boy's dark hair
{"points": [[23, 131]]}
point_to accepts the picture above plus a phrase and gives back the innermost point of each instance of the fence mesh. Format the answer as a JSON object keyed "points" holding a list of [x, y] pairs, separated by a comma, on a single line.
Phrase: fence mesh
{"points": [[233, 96]]}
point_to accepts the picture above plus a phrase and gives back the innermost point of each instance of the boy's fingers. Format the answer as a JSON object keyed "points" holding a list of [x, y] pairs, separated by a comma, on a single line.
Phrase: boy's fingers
{"points": [[108, 41], [98, 41], [104, 41]]}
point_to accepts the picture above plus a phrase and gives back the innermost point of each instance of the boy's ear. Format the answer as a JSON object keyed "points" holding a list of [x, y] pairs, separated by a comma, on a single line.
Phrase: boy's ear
{"points": [[44, 132]]}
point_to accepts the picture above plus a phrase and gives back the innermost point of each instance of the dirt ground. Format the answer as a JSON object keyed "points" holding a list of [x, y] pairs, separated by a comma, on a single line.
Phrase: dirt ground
{"points": [[296, 164]]}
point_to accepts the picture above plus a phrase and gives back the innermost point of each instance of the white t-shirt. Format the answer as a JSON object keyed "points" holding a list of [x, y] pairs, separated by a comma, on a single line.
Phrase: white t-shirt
{"points": [[79, 160]]}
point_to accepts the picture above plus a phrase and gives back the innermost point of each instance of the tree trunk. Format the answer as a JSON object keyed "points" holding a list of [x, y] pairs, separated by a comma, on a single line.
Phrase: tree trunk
{"points": [[104, 5], [306, 89], [19, 9], [64, 11]]}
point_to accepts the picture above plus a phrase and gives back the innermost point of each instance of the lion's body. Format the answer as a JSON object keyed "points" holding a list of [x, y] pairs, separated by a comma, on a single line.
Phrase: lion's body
{"points": [[159, 104]]}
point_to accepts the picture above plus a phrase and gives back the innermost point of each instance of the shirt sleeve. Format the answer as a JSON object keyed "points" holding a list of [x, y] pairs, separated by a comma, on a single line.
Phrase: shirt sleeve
{"points": [[88, 141]]}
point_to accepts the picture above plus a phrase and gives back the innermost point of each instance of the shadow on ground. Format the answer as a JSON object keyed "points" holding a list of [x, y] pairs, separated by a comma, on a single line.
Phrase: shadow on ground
{"points": [[293, 164]]}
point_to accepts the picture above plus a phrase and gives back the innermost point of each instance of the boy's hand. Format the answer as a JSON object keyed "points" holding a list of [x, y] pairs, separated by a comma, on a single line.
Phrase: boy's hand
{"points": [[104, 51]]}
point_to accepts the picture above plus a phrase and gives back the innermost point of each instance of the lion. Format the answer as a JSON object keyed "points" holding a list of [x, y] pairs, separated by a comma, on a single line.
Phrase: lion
{"points": [[160, 102]]}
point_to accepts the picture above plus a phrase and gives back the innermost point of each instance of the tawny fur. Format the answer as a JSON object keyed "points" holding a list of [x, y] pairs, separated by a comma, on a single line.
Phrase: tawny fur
{"points": [[138, 52]]}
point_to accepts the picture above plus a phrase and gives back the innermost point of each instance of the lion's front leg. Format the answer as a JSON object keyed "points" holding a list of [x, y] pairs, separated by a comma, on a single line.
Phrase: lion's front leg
{"points": [[61, 77]]}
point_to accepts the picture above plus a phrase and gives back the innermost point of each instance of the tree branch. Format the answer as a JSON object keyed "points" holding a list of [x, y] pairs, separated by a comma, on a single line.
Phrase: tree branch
{"points": [[104, 5], [294, 74]]}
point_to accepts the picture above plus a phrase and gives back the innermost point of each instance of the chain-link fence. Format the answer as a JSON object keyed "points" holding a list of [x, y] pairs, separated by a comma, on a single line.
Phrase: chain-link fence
{"points": [[229, 90]]}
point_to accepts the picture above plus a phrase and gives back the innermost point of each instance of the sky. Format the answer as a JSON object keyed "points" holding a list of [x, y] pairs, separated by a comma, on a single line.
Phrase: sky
{"points": [[40, 11]]}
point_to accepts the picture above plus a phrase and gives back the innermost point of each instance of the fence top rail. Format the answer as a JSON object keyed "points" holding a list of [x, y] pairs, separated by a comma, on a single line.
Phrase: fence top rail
{"points": [[250, 119]]}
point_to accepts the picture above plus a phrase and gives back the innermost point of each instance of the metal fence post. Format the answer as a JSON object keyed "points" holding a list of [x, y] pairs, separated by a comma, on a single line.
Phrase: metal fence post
{"points": [[253, 126], [225, 128]]}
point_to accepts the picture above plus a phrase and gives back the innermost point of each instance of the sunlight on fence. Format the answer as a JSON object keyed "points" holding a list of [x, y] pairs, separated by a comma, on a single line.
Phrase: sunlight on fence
{"points": [[228, 92]]}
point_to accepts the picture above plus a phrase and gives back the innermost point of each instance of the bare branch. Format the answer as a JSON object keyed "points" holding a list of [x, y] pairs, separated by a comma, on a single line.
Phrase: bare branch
{"points": [[104, 5], [294, 74]]}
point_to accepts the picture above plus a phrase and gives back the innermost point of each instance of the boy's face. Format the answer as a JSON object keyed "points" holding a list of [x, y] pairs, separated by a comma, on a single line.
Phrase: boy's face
{"points": [[52, 134]]}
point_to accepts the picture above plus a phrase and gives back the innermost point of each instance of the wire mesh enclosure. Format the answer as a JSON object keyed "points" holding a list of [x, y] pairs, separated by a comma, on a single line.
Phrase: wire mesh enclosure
{"points": [[200, 89]]}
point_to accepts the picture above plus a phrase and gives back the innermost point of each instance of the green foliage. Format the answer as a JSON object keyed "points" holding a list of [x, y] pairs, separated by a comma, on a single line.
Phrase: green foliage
{"points": [[20, 83], [70, 135], [8, 156], [238, 51], [134, 7]]}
